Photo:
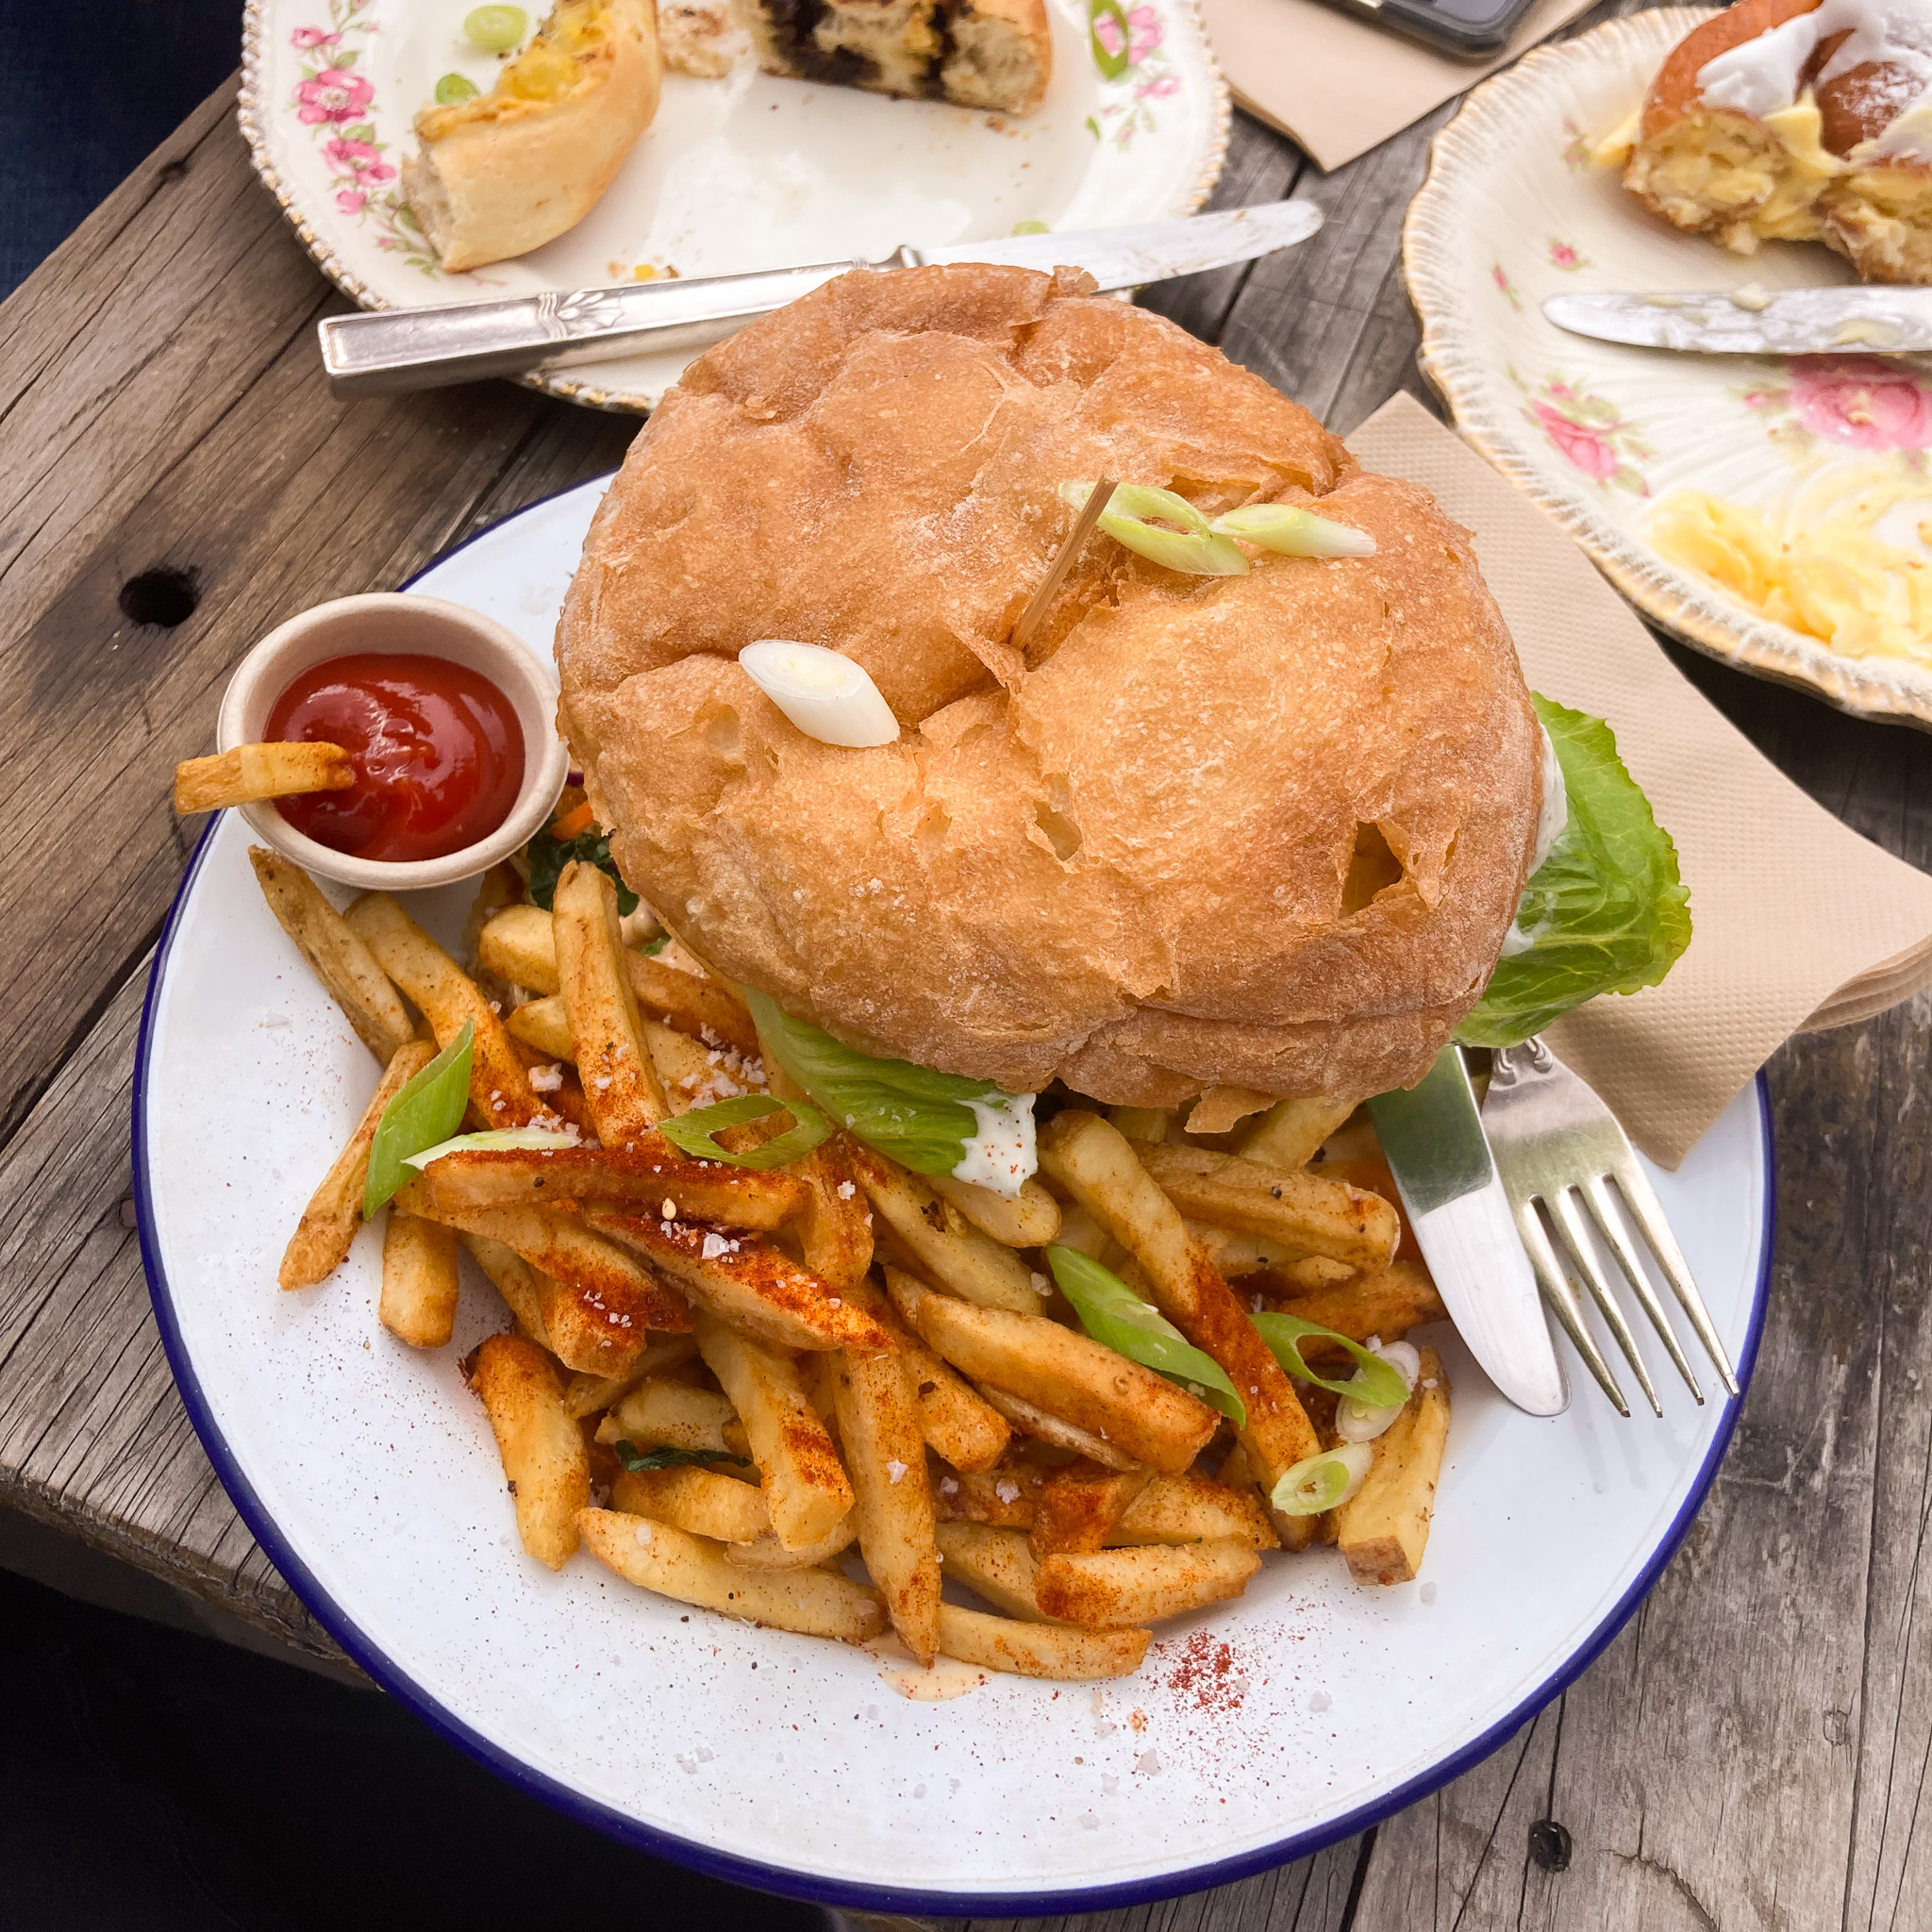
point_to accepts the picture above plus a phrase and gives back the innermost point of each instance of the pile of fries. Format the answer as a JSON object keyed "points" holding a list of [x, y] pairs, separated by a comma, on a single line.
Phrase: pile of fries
{"points": [[736, 1386]]}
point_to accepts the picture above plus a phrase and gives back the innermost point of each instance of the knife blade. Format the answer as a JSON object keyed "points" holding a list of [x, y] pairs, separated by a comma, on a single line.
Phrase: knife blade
{"points": [[396, 349], [1754, 322], [1432, 1136]]}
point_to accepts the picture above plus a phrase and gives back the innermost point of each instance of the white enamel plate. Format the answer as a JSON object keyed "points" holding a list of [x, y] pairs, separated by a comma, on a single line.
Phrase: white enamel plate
{"points": [[1255, 1732], [1515, 209], [750, 172]]}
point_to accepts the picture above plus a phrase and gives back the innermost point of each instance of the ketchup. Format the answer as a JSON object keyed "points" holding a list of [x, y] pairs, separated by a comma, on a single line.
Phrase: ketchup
{"points": [[437, 752]]}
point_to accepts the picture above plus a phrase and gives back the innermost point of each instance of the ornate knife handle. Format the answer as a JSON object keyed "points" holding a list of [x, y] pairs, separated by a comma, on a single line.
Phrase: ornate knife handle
{"points": [[430, 348]]}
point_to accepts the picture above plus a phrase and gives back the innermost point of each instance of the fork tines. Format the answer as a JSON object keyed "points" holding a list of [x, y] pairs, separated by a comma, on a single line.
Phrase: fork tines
{"points": [[1567, 1168]]}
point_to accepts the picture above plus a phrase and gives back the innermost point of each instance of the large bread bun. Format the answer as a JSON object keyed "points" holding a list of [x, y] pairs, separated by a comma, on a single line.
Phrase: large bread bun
{"points": [[1264, 831]]}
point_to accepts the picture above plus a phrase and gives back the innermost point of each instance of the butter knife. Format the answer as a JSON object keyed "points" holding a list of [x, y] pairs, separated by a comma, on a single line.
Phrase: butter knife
{"points": [[1432, 1136], [1754, 322], [429, 348]]}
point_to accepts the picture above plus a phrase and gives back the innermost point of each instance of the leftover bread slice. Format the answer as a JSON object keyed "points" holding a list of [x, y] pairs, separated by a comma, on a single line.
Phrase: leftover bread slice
{"points": [[992, 54], [505, 171], [701, 37]]}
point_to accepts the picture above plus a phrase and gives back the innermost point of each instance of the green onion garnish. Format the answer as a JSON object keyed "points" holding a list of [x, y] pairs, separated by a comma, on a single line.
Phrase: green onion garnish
{"points": [[1323, 1482], [1293, 532], [453, 88], [1378, 1385], [1031, 228], [1112, 1313], [494, 1137], [496, 29], [635, 1460], [694, 1131], [1194, 549], [427, 1108]]}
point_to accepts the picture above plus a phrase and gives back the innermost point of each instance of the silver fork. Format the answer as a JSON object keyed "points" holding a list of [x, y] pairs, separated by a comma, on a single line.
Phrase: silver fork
{"points": [[1560, 1154]]}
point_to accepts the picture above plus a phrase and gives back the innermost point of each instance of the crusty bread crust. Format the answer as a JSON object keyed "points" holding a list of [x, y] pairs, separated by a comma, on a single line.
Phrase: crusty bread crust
{"points": [[1125, 864], [499, 187]]}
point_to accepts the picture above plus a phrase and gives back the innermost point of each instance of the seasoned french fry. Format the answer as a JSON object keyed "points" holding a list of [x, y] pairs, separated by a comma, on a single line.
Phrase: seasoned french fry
{"points": [[520, 944], [659, 1414], [1110, 1589], [1291, 1132], [500, 1091], [1310, 1274], [1389, 1303], [344, 965], [1383, 1529], [675, 1564], [585, 1395], [1031, 1420], [501, 885], [805, 1486], [1306, 1214], [998, 1563], [1079, 1506], [259, 771], [645, 1177], [1030, 1220], [959, 1426], [323, 1237], [1190, 1508], [515, 1280], [835, 1232], [545, 1025], [1143, 1122], [1232, 1254], [698, 1500], [1099, 1167], [885, 1459], [419, 1280], [1040, 1650], [748, 1282], [684, 1069], [1000, 1498], [542, 1449], [768, 1553], [621, 1086], [944, 1243], [1139, 1414], [1080, 1231]]}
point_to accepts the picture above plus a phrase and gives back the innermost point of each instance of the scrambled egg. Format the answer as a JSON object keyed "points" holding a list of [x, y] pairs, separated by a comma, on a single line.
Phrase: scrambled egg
{"points": [[1820, 563]]}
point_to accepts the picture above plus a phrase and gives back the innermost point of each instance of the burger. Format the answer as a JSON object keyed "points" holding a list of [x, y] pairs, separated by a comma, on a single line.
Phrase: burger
{"points": [[1232, 795]]}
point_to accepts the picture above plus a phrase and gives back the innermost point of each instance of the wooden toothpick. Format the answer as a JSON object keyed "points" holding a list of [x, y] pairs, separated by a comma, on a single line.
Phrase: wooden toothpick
{"points": [[1035, 613]]}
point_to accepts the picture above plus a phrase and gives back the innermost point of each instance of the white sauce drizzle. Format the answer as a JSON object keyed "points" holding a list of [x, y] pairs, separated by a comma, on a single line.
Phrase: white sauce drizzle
{"points": [[1550, 823], [1001, 1155], [1762, 75]]}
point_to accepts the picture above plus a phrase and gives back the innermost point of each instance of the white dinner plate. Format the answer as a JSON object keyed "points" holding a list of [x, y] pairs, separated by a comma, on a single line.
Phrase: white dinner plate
{"points": [[1600, 434], [1255, 1731], [750, 172]]}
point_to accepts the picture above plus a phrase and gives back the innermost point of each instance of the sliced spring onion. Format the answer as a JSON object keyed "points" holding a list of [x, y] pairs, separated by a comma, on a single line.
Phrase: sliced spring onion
{"points": [[453, 88], [636, 1461], [427, 1108], [1031, 228], [694, 1131], [1112, 1313], [1359, 1422], [1293, 532], [496, 29], [931, 1122], [1376, 1387], [829, 695], [1192, 550], [1323, 1482], [495, 1137]]}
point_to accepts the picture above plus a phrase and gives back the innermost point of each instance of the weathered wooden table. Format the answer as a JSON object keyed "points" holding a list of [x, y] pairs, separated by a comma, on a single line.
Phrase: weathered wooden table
{"points": [[175, 479]]}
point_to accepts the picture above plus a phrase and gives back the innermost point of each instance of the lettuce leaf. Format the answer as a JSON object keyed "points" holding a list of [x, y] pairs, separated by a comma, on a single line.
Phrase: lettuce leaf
{"points": [[1605, 912]]}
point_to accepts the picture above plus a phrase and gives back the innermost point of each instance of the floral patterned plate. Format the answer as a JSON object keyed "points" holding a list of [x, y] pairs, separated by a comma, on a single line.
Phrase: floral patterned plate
{"points": [[1600, 434], [745, 173]]}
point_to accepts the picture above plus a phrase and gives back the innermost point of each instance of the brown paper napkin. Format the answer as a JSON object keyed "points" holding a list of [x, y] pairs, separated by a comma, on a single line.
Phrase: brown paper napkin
{"points": [[1798, 923], [1337, 86]]}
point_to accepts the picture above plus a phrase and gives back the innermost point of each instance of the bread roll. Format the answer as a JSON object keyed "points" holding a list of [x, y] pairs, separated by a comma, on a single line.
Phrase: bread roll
{"points": [[1264, 831], [508, 171]]}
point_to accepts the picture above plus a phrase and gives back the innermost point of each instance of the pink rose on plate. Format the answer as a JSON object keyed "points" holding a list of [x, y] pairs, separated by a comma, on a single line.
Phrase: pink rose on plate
{"points": [[351, 200], [1145, 32], [1107, 30], [1159, 87], [332, 95], [312, 36], [357, 157], [1861, 400], [1584, 446]]}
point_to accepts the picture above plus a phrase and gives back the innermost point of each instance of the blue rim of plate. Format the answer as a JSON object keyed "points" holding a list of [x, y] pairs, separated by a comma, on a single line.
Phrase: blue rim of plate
{"points": [[783, 1880]]}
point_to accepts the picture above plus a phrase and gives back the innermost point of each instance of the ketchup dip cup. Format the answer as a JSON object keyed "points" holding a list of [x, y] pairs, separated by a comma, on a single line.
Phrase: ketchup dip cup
{"points": [[392, 621]]}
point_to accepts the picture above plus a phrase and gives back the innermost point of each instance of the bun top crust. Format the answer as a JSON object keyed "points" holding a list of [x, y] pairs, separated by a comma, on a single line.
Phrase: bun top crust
{"points": [[1264, 831]]}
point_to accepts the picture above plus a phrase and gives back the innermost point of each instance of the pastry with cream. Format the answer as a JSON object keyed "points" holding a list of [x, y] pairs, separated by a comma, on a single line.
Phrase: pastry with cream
{"points": [[1798, 121], [502, 173]]}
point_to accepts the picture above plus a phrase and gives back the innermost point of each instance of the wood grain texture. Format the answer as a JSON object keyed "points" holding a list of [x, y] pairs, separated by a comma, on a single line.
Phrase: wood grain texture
{"points": [[1750, 1752]]}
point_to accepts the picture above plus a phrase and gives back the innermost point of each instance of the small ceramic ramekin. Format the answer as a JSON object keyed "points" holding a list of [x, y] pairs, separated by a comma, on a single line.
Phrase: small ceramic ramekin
{"points": [[393, 621]]}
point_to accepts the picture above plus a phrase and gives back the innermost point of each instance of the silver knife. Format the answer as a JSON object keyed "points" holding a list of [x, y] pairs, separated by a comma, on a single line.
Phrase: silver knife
{"points": [[1754, 322], [1432, 1136], [428, 348]]}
